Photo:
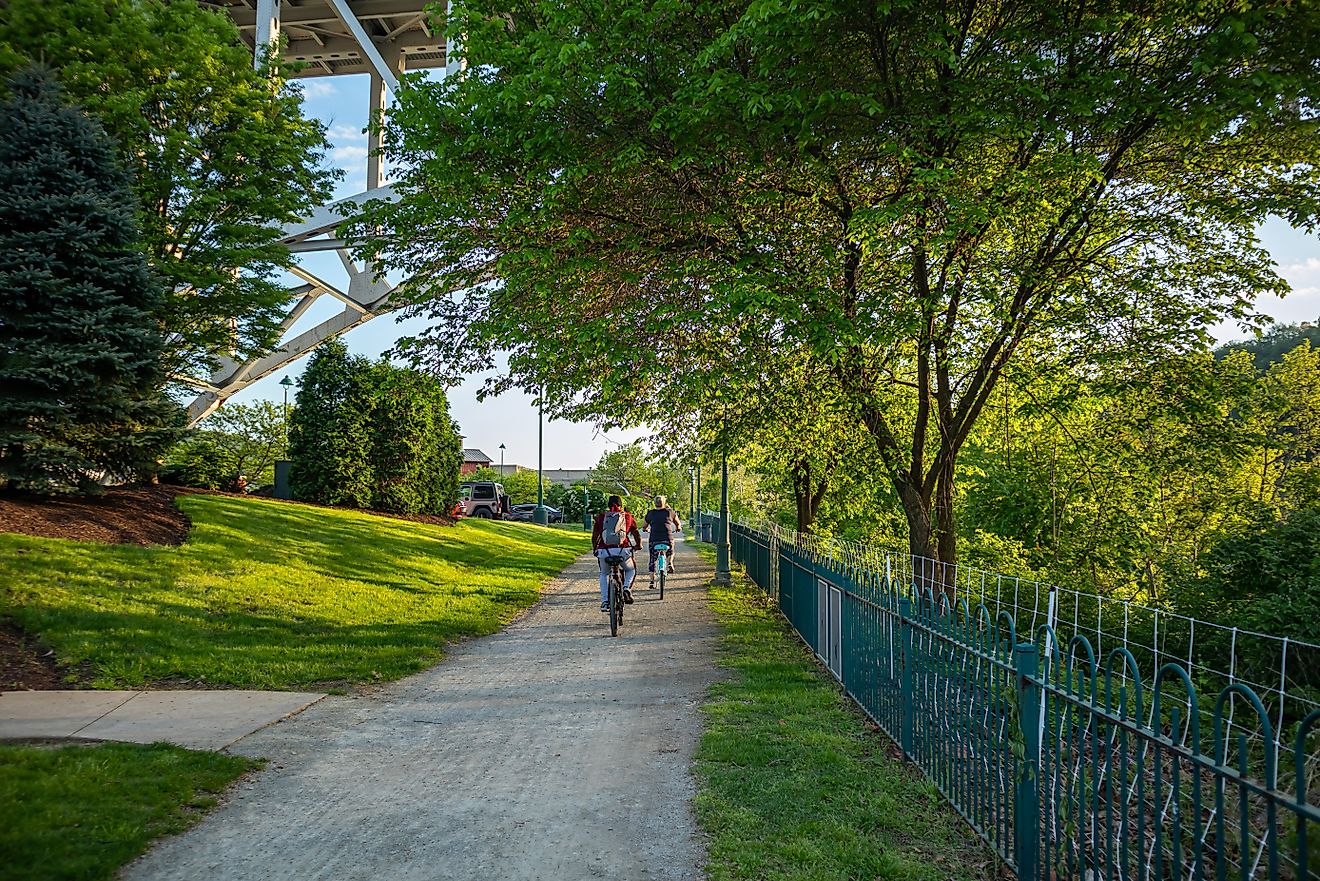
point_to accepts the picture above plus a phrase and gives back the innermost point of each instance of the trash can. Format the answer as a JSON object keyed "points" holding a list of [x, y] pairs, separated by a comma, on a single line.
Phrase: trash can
{"points": [[707, 529]]}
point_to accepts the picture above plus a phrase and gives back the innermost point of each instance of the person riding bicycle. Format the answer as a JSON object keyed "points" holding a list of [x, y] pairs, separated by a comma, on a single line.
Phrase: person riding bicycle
{"points": [[614, 537], [661, 526]]}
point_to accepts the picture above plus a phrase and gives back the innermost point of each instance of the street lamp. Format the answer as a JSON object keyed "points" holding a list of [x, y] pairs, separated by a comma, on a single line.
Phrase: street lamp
{"points": [[501, 460], [722, 574], [286, 382], [692, 495], [540, 515]]}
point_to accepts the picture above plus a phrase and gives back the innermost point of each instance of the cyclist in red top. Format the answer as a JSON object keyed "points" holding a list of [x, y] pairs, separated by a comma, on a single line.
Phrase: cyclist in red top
{"points": [[615, 536]]}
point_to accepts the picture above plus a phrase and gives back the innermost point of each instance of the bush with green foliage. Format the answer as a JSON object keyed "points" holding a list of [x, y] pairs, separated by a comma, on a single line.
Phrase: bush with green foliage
{"points": [[372, 436], [415, 448], [237, 439], [1265, 579], [80, 351], [330, 434]]}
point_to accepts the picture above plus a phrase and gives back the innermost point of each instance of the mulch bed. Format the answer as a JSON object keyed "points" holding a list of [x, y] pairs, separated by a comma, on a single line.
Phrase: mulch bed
{"points": [[26, 665], [122, 515]]}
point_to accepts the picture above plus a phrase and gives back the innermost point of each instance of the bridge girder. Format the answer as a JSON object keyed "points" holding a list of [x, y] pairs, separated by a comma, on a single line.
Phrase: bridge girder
{"points": [[382, 38]]}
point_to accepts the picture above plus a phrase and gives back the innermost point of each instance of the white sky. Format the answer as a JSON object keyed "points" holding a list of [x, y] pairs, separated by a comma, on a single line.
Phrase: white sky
{"points": [[511, 419]]}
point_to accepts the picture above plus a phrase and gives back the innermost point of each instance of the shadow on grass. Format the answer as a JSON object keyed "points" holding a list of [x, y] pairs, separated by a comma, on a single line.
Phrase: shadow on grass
{"points": [[273, 595]]}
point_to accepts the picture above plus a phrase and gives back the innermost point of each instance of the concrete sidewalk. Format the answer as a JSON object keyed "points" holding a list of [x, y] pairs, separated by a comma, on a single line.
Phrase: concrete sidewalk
{"points": [[196, 719]]}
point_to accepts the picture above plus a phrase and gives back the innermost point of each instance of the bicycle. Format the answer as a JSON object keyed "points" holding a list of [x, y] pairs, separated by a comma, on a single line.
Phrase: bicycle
{"points": [[661, 564], [616, 593]]}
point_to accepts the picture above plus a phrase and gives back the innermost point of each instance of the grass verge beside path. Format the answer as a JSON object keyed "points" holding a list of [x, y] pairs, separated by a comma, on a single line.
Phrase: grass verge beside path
{"points": [[796, 783], [265, 594], [81, 812]]}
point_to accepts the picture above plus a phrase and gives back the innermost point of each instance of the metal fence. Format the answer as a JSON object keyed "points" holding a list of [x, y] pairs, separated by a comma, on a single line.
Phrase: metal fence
{"points": [[1074, 751]]}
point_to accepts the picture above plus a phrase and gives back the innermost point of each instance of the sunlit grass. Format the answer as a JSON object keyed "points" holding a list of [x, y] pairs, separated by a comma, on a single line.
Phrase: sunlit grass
{"points": [[78, 813], [267, 594], [793, 782]]}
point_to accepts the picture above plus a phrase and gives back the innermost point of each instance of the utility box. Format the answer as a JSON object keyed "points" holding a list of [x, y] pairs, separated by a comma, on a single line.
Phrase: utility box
{"points": [[282, 479]]}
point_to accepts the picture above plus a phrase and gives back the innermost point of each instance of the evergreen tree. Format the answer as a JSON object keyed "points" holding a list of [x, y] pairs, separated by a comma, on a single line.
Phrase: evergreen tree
{"points": [[375, 436], [80, 354], [330, 430]]}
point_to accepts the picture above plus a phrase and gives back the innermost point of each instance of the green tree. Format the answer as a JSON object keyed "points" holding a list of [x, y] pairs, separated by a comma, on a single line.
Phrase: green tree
{"points": [[372, 436], [1274, 343], [521, 487], [80, 353], [330, 440], [222, 156], [415, 447], [242, 439], [913, 194], [630, 470]]}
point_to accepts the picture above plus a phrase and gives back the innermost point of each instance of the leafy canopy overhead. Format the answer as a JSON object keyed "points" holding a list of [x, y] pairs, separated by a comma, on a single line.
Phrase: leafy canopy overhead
{"points": [[222, 156], [906, 193]]}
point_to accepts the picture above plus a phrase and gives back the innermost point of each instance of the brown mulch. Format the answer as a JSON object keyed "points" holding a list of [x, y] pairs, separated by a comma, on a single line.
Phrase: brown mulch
{"points": [[26, 665], [143, 515]]}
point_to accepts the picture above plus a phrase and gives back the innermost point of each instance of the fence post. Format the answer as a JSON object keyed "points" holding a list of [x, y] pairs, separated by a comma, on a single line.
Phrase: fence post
{"points": [[909, 661], [1026, 798]]}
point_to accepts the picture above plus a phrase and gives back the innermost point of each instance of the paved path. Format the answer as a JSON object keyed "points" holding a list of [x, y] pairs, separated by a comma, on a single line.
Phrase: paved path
{"points": [[195, 719], [549, 751]]}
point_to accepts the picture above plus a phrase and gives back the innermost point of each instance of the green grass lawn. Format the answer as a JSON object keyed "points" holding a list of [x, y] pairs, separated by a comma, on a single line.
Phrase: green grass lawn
{"points": [[794, 783], [81, 812], [267, 594]]}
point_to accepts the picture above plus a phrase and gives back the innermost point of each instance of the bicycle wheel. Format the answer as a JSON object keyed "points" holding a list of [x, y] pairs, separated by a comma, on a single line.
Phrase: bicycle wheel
{"points": [[664, 567], [615, 602]]}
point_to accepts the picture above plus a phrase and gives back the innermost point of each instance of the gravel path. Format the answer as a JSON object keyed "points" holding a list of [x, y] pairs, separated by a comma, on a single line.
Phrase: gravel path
{"points": [[547, 751]]}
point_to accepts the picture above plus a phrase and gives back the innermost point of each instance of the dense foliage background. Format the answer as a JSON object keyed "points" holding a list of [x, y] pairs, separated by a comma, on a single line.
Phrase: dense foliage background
{"points": [[80, 351], [367, 435]]}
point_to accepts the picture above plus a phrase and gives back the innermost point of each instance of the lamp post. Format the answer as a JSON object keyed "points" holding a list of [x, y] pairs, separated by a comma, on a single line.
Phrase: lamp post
{"points": [[722, 574], [692, 495], [540, 515], [283, 465], [696, 516], [286, 382], [501, 461]]}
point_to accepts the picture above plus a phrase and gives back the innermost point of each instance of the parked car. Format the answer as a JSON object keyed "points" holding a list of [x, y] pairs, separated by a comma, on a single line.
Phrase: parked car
{"points": [[526, 513], [483, 499]]}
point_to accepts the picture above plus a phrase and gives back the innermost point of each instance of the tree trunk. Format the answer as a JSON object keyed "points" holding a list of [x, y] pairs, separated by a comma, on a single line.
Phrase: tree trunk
{"points": [[946, 542], [808, 494]]}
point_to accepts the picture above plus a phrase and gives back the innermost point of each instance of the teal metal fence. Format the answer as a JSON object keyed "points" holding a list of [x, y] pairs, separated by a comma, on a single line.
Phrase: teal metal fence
{"points": [[1070, 765]]}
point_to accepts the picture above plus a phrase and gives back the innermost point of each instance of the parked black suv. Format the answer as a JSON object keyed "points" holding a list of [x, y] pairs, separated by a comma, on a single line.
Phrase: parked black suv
{"points": [[527, 512]]}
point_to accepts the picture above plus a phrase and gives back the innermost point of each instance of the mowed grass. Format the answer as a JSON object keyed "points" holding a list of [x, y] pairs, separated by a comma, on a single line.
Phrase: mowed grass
{"points": [[81, 812], [794, 782], [265, 594]]}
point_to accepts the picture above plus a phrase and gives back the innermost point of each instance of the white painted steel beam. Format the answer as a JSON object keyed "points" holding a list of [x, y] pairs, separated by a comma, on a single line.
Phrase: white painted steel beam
{"points": [[327, 218], [322, 13], [365, 44], [396, 35], [311, 246], [268, 29], [342, 48]]}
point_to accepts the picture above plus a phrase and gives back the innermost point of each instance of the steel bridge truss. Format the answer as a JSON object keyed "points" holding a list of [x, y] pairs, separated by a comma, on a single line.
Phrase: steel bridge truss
{"points": [[382, 38]]}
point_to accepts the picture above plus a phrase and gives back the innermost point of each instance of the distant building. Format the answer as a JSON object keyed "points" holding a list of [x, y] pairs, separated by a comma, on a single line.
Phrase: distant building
{"points": [[566, 476], [472, 460]]}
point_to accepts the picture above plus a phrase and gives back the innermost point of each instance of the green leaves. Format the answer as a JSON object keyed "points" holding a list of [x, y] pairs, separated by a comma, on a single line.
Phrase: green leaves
{"points": [[372, 436], [911, 194], [80, 353], [221, 155]]}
